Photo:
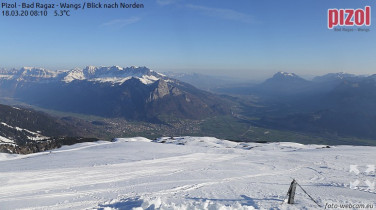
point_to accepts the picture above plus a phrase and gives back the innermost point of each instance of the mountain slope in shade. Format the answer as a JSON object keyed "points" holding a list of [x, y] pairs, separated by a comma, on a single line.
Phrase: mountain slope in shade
{"points": [[357, 95], [27, 131], [132, 92], [282, 83], [335, 104], [22, 124]]}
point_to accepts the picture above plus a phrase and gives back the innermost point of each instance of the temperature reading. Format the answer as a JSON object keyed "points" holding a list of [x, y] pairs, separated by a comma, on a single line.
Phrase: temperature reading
{"points": [[62, 13]]}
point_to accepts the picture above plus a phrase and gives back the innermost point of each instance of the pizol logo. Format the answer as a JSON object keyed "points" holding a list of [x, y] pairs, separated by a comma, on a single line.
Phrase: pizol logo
{"points": [[369, 172], [349, 17]]}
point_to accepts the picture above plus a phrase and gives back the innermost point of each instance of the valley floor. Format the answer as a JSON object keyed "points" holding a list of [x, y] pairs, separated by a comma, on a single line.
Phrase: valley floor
{"points": [[187, 173]]}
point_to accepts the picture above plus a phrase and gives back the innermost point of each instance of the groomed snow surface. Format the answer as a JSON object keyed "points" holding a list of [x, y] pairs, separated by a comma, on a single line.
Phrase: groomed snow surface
{"points": [[185, 173]]}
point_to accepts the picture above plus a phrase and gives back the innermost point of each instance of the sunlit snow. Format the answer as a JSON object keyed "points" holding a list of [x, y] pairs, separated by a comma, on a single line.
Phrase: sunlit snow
{"points": [[185, 173]]}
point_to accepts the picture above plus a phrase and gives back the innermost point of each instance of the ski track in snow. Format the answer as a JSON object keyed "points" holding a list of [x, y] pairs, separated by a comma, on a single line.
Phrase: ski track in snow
{"points": [[183, 173]]}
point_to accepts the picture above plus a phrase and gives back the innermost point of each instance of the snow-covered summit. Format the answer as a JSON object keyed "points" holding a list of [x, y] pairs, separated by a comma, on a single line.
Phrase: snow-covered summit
{"points": [[284, 77], [283, 74], [27, 74], [334, 77], [113, 74]]}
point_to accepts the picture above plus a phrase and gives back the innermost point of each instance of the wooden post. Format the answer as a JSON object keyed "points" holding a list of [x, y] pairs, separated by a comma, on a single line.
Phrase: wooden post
{"points": [[291, 192]]}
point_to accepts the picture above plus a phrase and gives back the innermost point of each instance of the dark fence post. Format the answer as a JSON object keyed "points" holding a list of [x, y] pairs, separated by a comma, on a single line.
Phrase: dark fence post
{"points": [[291, 192]]}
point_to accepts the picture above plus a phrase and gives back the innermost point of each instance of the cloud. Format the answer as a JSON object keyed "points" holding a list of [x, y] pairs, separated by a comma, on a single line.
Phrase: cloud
{"points": [[226, 14], [120, 23]]}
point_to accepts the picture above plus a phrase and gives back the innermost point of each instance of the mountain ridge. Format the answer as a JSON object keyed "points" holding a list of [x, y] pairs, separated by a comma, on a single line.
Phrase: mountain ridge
{"points": [[130, 92]]}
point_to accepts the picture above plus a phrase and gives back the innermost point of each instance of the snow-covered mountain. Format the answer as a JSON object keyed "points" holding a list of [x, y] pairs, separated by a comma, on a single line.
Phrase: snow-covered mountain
{"points": [[281, 84], [30, 74], [131, 92], [114, 74], [281, 75], [333, 77], [285, 77], [188, 173]]}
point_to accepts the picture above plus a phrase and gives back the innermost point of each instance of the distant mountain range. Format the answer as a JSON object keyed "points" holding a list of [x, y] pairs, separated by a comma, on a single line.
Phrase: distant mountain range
{"points": [[330, 90], [337, 103], [283, 83], [133, 92]]}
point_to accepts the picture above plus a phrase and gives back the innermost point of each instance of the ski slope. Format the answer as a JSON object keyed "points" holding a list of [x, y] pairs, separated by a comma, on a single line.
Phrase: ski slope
{"points": [[185, 173]]}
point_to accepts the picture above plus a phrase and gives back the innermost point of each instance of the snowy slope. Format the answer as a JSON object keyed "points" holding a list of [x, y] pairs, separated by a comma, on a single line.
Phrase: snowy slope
{"points": [[17, 132], [35, 136], [184, 173], [4, 140]]}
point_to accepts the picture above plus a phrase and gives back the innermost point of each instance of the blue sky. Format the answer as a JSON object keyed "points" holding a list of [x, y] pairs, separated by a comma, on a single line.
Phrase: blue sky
{"points": [[235, 38]]}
